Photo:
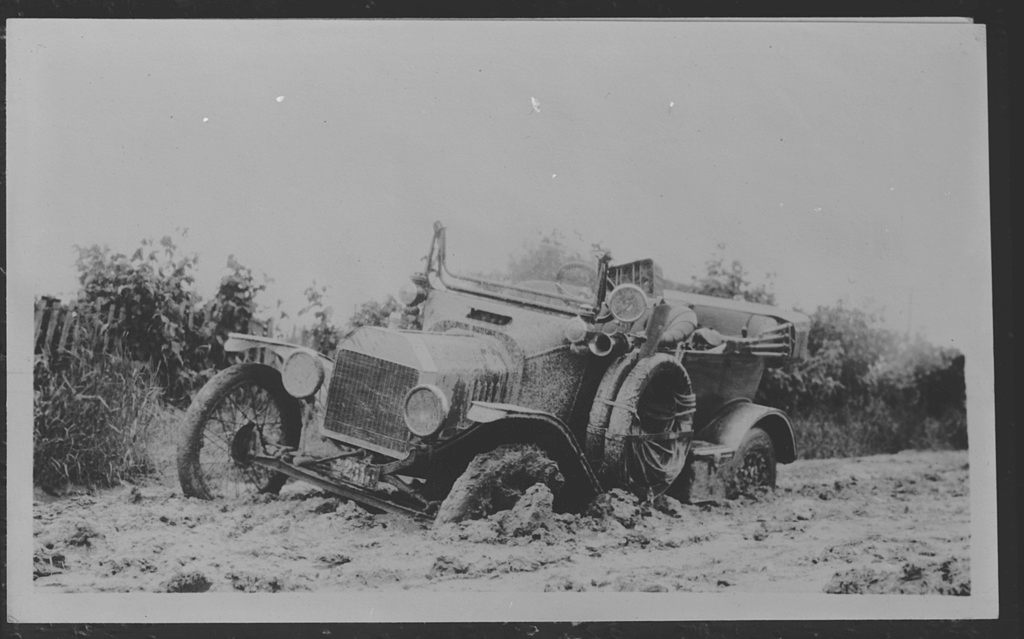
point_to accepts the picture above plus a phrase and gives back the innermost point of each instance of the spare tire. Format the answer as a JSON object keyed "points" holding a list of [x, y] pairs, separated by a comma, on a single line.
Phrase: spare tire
{"points": [[601, 408], [650, 427]]}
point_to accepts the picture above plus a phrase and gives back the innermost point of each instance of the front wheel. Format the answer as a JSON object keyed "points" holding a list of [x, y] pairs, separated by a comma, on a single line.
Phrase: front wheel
{"points": [[243, 411], [752, 467], [495, 480]]}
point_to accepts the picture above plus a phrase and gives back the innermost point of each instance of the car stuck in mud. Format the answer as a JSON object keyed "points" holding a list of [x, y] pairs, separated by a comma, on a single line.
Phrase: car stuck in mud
{"points": [[598, 378]]}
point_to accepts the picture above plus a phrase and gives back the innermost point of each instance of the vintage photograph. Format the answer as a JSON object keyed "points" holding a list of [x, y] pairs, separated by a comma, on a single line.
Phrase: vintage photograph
{"points": [[483, 320]]}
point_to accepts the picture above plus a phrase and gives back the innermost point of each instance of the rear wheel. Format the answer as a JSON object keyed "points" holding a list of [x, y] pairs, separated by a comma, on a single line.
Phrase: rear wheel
{"points": [[243, 411], [752, 467]]}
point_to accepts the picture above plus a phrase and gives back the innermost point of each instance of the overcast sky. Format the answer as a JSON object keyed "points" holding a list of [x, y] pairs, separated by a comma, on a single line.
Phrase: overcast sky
{"points": [[849, 159]]}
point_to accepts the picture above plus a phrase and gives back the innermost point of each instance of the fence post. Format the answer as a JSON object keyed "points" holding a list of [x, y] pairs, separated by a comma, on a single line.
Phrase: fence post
{"points": [[40, 308], [108, 337], [76, 332], [96, 334], [51, 328], [70, 317], [122, 314]]}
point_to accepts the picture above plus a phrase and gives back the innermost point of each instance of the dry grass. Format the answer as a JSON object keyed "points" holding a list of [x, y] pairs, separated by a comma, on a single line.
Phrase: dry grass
{"points": [[91, 415]]}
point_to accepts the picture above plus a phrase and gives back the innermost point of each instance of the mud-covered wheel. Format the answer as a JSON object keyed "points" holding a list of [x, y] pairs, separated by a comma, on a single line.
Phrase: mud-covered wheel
{"points": [[601, 408], [650, 427], [752, 467], [495, 480], [243, 411]]}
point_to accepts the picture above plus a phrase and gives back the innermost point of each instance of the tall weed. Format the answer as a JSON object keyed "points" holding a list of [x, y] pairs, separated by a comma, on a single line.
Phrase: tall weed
{"points": [[91, 412]]}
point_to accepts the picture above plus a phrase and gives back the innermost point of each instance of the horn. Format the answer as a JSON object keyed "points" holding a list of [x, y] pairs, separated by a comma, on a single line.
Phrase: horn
{"points": [[603, 344]]}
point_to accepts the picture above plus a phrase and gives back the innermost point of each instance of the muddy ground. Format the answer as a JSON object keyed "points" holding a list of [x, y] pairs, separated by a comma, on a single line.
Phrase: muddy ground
{"points": [[881, 524]]}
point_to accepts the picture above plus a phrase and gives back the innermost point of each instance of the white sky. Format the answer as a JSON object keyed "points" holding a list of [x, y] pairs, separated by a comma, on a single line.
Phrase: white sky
{"points": [[847, 158]]}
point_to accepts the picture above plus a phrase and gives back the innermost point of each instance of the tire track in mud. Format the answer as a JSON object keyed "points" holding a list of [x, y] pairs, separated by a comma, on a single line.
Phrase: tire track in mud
{"points": [[888, 523]]}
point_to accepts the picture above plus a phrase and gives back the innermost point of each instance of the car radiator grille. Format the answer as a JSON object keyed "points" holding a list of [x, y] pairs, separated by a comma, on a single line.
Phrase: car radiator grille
{"points": [[366, 400]]}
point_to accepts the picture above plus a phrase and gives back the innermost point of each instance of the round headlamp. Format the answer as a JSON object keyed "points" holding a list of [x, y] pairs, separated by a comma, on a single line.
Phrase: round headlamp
{"points": [[627, 303], [425, 409], [302, 374]]}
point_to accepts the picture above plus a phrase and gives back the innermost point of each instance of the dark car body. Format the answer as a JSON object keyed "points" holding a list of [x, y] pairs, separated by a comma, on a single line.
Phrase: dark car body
{"points": [[504, 362]]}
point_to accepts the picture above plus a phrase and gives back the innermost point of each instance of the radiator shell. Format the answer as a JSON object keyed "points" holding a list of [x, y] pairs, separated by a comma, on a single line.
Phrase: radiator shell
{"points": [[375, 368]]}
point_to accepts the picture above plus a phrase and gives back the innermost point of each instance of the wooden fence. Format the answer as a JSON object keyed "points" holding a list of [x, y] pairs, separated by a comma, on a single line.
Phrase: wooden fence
{"points": [[62, 327]]}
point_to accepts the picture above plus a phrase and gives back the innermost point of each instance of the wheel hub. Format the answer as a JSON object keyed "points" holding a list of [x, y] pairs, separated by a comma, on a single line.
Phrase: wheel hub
{"points": [[243, 444]]}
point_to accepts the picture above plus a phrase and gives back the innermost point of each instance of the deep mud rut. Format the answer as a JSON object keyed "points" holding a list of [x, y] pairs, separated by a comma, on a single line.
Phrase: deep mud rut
{"points": [[880, 524]]}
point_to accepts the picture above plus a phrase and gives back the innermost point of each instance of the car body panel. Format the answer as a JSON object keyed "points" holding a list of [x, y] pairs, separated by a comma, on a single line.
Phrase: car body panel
{"points": [[521, 362]]}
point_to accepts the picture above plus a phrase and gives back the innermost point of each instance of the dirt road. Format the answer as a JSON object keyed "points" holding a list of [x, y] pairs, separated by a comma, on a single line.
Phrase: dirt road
{"points": [[889, 523]]}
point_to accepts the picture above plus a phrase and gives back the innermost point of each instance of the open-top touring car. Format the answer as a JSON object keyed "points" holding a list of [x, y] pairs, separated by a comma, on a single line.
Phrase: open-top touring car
{"points": [[600, 370]]}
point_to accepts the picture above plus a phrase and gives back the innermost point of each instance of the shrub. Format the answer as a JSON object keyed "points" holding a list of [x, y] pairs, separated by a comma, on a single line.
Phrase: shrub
{"points": [[538, 259], [862, 388], [90, 415], [233, 310], [729, 281], [165, 321], [844, 345], [374, 313], [324, 335], [155, 290]]}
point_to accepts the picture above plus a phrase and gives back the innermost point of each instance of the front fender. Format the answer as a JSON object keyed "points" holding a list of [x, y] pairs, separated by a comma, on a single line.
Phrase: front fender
{"points": [[495, 424], [489, 412], [736, 418], [240, 342]]}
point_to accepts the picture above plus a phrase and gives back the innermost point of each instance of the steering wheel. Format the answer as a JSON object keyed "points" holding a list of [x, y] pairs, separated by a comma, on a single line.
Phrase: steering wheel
{"points": [[585, 274]]}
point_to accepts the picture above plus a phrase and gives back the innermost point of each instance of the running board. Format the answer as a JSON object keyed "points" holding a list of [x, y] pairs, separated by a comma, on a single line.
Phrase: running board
{"points": [[341, 488]]}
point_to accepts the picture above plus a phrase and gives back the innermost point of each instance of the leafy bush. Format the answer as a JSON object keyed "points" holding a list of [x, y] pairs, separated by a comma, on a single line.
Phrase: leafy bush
{"points": [[233, 310], [379, 313], [155, 290], [729, 281], [90, 416], [844, 345], [323, 335], [165, 321], [864, 389], [539, 259]]}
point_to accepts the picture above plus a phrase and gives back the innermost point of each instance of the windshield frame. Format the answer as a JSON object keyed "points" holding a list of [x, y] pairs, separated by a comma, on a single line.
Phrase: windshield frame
{"points": [[567, 305]]}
